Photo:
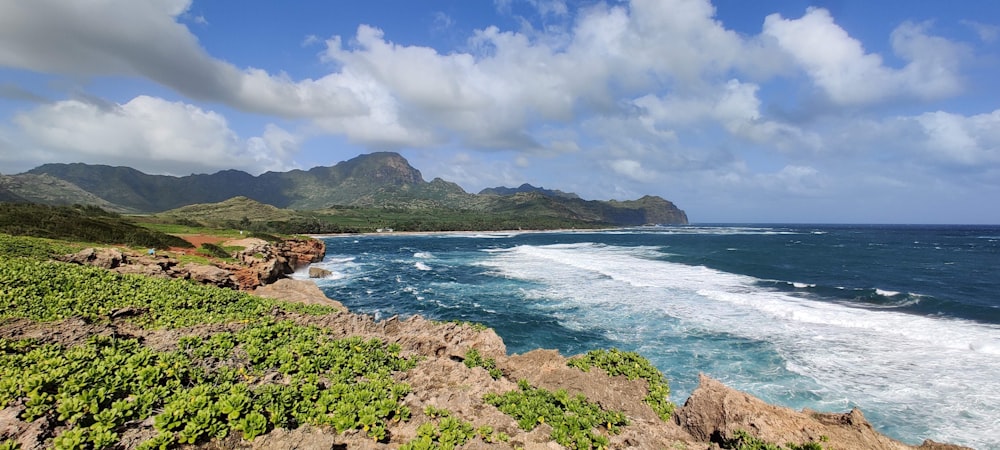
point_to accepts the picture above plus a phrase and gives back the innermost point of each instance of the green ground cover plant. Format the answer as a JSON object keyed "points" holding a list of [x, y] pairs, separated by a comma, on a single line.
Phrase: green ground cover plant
{"points": [[744, 441], [47, 291], [474, 359], [34, 248], [632, 365], [207, 388], [572, 418]]}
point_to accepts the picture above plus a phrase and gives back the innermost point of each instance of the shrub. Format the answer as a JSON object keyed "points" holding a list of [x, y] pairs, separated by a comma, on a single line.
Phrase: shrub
{"points": [[215, 251], [632, 365]]}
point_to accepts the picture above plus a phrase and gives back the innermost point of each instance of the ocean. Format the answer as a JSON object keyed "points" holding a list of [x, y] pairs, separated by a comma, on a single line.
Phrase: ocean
{"points": [[901, 321]]}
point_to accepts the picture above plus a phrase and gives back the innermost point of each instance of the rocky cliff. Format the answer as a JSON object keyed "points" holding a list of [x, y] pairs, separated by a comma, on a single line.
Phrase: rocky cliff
{"points": [[259, 263]]}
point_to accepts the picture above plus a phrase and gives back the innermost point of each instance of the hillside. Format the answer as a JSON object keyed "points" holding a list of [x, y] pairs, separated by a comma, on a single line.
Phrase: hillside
{"points": [[377, 180], [49, 190], [505, 191]]}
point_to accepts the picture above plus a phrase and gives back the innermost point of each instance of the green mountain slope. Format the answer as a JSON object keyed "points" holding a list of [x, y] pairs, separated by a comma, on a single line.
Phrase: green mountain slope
{"points": [[376, 180], [50, 190]]}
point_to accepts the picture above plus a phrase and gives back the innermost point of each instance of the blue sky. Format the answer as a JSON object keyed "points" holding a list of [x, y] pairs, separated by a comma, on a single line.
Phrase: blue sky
{"points": [[738, 111]]}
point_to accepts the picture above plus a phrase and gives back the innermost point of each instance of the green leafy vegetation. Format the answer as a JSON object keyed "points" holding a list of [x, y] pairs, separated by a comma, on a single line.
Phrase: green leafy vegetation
{"points": [[32, 247], [446, 434], [80, 224], [47, 291], [632, 365], [207, 388], [742, 440], [476, 326], [474, 359], [572, 418]]}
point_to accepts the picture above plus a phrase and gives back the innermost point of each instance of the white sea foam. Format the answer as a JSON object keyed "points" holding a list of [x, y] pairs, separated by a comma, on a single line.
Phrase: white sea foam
{"points": [[421, 266], [423, 255], [886, 293], [890, 363], [727, 230]]}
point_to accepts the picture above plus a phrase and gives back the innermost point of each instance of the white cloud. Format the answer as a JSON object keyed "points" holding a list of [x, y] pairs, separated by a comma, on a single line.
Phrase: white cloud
{"points": [[972, 141], [632, 169], [150, 134], [144, 38], [987, 33], [849, 75], [733, 105]]}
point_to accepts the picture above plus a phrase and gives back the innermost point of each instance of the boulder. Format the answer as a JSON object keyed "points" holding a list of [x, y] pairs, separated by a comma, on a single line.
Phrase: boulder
{"points": [[319, 272], [210, 275], [108, 258]]}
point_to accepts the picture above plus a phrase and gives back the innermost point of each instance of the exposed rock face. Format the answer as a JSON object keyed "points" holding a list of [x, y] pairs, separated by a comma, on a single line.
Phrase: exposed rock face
{"points": [[108, 258], [261, 263], [715, 412], [319, 272], [301, 291], [302, 252], [206, 274]]}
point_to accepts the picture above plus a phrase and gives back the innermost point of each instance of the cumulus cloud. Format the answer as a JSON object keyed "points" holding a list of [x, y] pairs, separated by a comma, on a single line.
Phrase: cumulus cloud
{"points": [[840, 66], [150, 134], [496, 95], [971, 141], [144, 39]]}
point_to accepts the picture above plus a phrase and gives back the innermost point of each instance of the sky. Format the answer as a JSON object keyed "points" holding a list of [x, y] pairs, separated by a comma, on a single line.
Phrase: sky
{"points": [[836, 111]]}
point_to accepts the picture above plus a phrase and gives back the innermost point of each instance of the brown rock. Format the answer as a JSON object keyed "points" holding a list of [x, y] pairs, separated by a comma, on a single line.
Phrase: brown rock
{"points": [[302, 252], [206, 274], [319, 272], [108, 258], [300, 291], [715, 412]]}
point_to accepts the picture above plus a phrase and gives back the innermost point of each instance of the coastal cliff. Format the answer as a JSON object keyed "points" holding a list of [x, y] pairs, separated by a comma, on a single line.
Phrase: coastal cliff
{"points": [[456, 373]]}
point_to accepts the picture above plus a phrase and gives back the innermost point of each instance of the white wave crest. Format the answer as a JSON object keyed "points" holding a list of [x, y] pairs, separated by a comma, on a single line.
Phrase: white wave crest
{"points": [[887, 361]]}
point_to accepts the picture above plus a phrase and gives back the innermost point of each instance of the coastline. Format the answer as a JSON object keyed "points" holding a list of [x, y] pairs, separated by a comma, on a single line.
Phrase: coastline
{"points": [[442, 380], [712, 411]]}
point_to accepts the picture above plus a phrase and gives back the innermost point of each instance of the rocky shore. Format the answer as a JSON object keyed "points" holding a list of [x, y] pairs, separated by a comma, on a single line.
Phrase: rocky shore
{"points": [[712, 415], [259, 263]]}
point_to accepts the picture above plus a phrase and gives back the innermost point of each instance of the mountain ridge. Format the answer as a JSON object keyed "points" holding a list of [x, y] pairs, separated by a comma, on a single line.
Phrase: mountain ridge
{"points": [[379, 180]]}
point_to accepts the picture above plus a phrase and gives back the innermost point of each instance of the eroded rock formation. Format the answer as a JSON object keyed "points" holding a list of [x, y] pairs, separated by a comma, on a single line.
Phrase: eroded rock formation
{"points": [[259, 263]]}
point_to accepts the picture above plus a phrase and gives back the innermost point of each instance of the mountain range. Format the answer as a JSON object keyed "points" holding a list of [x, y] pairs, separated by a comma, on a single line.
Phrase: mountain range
{"points": [[375, 180]]}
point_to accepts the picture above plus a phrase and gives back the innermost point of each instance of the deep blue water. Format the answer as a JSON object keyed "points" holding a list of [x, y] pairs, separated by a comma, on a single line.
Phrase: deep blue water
{"points": [[902, 321]]}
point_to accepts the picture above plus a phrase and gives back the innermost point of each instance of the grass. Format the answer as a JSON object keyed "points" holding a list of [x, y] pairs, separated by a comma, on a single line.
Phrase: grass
{"points": [[81, 224]]}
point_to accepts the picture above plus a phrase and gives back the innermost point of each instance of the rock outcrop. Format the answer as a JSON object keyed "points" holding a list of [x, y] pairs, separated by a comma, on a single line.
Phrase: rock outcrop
{"points": [[302, 252], [715, 412], [319, 272], [299, 291], [107, 258], [259, 263]]}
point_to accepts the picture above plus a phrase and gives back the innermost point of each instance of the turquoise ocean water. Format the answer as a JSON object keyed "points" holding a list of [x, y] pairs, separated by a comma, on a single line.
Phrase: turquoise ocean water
{"points": [[901, 321]]}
